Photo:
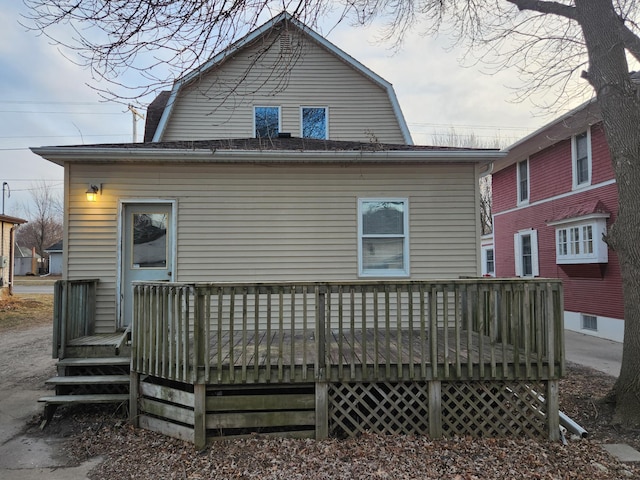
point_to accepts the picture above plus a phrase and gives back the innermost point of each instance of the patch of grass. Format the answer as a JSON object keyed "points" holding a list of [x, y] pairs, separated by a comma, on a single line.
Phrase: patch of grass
{"points": [[35, 280], [25, 311]]}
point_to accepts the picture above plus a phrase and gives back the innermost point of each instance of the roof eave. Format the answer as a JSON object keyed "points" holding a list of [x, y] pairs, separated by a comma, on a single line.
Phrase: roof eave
{"points": [[62, 155], [561, 128]]}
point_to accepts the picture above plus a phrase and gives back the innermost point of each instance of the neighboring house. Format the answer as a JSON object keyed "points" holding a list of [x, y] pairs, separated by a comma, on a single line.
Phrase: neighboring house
{"points": [[27, 261], [55, 258], [554, 197], [8, 227], [486, 256], [280, 248]]}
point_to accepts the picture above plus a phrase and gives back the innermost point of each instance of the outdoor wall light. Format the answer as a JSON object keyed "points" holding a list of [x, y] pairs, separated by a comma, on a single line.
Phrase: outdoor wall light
{"points": [[92, 192]]}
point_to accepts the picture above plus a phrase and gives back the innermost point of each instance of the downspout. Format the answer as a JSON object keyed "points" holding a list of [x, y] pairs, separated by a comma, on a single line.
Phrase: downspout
{"points": [[488, 171]]}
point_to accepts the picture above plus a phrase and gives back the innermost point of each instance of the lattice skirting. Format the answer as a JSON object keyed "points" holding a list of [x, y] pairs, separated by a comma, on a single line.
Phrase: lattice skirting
{"points": [[448, 409]]}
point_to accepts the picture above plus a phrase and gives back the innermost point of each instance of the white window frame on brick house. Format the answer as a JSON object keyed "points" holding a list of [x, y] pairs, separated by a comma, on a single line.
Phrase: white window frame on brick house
{"points": [[521, 252], [580, 239], [585, 182], [523, 193], [367, 239], [488, 261]]}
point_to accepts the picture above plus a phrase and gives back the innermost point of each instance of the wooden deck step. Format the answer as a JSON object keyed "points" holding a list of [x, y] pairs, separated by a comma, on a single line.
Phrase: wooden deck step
{"points": [[89, 380], [80, 399], [93, 362], [51, 403]]}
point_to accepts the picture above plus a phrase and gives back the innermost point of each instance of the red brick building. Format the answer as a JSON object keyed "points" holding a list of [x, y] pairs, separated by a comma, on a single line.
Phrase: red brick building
{"points": [[554, 196]]}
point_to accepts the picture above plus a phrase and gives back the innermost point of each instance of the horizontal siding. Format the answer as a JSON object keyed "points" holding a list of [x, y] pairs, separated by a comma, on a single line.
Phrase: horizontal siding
{"points": [[276, 223], [220, 104]]}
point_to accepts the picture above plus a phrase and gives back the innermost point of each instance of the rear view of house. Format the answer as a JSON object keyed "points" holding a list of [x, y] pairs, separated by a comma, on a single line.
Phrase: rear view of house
{"points": [[279, 257], [554, 198]]}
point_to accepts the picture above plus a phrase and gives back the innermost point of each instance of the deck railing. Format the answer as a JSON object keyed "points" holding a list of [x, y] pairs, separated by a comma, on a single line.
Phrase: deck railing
{"points": [[357, 331], [74, 312]]}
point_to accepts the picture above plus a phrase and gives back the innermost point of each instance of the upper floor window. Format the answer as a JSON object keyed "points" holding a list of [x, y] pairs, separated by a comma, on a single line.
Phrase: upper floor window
{"points": [[525, 245], [579, 240], [314, 122], [383, 237], [266, 122], [523, 181], [581, 159]]}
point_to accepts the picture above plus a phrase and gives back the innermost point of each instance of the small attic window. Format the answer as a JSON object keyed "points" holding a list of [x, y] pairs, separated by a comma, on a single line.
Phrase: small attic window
{"points": [[266, 122]]}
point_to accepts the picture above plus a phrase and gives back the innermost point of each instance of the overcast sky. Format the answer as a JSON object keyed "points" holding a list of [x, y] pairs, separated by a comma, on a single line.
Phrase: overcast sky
{"points": [[44, 99]]}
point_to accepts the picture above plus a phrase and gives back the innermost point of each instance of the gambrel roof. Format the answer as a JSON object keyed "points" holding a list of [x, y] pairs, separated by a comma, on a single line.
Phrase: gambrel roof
{"points": [[167, 102]]}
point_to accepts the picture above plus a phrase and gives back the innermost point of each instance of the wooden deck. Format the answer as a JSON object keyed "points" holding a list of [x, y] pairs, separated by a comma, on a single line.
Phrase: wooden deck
{"points": [[457, 357], [372, 354]]}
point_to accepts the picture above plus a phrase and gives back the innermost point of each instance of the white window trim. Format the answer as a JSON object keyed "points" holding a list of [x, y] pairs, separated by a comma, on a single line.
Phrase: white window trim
{"points": [[517, 242], [484, 271], [574, 161], [267, 106], [326, 119], [526, 200], [384, 272], [598, 222]]}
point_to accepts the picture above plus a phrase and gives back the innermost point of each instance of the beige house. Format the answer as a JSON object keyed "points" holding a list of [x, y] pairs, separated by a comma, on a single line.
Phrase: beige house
{"points": [[278, 254], [255, 177], [8, 226]]}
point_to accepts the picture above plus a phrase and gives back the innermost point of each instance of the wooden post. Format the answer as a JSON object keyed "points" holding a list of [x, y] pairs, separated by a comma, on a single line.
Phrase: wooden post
{"points": [[134, 388], [435, 409], [322, 387], [553, 415], [200, 415], [322, 410]]}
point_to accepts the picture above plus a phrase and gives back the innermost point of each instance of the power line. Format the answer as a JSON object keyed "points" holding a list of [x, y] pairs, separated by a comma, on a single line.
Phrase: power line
{"points": [[62, 113]]}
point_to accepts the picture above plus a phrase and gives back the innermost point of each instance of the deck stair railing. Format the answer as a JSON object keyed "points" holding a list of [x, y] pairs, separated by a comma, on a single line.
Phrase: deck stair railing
{"points": [[348, 332], [74, 312]]}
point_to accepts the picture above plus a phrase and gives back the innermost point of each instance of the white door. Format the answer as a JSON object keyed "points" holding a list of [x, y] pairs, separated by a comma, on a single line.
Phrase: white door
{"points": [[147, 250]]}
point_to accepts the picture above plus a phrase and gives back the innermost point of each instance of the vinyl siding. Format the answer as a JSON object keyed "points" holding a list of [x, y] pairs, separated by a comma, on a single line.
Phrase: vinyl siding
{"points": [[220, 103], [271, 223]]}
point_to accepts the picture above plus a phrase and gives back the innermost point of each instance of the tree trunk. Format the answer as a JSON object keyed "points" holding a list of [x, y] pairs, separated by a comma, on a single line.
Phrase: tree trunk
{"points": [[617, 96]]}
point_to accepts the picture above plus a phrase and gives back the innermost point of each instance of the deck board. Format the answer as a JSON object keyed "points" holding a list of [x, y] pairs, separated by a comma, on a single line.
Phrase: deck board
{"points": [[377, 348]]}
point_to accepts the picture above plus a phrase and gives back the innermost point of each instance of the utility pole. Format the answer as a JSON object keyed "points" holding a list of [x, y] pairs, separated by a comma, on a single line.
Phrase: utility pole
{"points": [[5, 185], [135, 115]]}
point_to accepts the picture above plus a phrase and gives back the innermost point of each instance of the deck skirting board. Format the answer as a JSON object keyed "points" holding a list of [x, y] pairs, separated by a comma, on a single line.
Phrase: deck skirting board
{"points": [[495, 408]]}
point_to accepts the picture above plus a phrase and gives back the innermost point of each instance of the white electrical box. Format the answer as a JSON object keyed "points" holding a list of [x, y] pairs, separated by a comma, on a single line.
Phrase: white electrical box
{"points": [[4, 262]]}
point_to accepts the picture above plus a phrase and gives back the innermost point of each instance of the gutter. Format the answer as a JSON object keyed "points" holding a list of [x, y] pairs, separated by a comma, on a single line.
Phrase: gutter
{"points": [[60, 155]]}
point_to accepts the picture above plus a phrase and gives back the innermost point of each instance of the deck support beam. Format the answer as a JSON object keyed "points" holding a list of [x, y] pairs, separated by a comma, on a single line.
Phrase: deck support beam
{"points": [[200, 415], [435, 409], [553, 410], [322, 410], [134, 387]]}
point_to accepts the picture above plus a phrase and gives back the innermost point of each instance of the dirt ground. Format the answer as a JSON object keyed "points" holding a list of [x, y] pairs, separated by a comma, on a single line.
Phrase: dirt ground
{"points": [[86, 432]]}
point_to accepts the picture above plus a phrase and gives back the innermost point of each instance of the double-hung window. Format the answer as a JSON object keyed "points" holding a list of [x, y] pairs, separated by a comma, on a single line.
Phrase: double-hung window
{"points": [[314, 122], [266, 122], [581, 159], [488, 262], [523, 182], [383, 237], [525, 245]]}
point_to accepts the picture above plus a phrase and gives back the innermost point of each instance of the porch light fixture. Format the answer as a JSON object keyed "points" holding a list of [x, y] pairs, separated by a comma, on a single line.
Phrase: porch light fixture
{"points": [[92, 192]]}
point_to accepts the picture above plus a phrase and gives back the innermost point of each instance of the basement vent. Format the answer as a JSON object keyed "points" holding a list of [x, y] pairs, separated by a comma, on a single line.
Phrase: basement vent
{"points": [[285, 42]]}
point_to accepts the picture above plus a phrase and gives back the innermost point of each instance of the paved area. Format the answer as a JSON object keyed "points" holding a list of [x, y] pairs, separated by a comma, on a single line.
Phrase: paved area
{"points": [[600, 354], [24, 456]]}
